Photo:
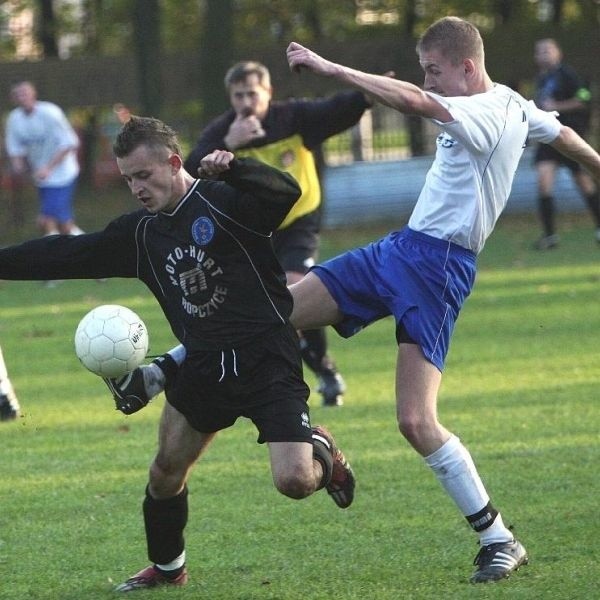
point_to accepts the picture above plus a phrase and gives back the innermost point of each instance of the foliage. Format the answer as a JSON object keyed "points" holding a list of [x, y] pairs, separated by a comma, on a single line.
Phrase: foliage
{"points": [[104, 27]]}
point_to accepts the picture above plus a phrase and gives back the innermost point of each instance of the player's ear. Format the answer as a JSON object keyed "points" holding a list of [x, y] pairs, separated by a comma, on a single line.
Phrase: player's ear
{"points": [[176, 163], [469, 67]]}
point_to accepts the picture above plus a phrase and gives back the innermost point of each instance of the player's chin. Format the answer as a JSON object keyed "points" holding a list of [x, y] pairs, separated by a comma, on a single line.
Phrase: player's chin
{"points": [[149, 207]]}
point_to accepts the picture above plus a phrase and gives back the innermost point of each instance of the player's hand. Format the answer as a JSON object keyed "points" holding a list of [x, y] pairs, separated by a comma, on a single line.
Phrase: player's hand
{"points": [[215, 163], [244, 129], [299, 57], [42, 173]]}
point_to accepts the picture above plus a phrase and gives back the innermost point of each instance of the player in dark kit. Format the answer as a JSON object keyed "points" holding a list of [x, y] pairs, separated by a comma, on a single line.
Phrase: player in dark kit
{"points": [[559, 88], [282, 134], [203, 248]]}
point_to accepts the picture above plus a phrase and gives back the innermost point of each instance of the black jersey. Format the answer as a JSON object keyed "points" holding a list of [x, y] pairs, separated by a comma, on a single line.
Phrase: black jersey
{"points": [[293, 129], [563, 83], [209, 263]]}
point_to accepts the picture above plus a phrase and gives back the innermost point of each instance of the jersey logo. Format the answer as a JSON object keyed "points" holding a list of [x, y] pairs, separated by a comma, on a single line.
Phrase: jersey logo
{"points": [[445, 141], [203, 231]]}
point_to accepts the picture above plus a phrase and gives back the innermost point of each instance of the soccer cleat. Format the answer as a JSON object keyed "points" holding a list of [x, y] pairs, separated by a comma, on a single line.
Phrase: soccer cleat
{"points": [[133, 391], [150, 577], [331, 387], [9, 405], [547, 242], [498, 561], [342, 483]]}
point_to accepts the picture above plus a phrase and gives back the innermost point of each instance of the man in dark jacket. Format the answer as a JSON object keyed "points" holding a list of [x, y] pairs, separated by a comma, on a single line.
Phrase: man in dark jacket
{"points": [[285, 134]]}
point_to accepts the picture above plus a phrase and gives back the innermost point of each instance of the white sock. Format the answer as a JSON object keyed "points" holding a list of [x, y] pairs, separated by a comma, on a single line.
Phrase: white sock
{"points": [[178, 353], [3, 370], [174, 564], [5, 387], [154, 380], [456, 471]]}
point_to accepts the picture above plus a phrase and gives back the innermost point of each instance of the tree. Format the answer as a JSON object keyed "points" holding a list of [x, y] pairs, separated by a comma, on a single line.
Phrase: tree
{"points": [[47, 28], [146, 19], [216, 52]]}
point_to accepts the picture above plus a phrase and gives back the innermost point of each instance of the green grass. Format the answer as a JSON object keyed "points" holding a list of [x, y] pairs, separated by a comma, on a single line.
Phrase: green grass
{"points": [[520, 389]]}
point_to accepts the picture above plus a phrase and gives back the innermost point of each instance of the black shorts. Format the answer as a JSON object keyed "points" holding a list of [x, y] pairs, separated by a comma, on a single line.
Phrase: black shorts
{"points": [[544, 152], [297, 245], [261, 381]]}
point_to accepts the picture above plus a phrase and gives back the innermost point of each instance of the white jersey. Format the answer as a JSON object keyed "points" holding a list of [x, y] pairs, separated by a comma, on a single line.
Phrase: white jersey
{"points": [[469, 182], [38, 136]]}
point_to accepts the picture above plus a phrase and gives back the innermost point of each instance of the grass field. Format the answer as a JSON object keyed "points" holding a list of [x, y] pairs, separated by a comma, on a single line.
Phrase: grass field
{"points": [[520, 389]]}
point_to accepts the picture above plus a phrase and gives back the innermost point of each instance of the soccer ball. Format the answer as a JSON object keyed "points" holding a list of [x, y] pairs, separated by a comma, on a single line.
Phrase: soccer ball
{"points": [[111, 340]]}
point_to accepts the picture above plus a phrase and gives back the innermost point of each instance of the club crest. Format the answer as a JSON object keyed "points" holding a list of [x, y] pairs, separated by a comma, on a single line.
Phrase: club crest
{"points": [[203, 231]]}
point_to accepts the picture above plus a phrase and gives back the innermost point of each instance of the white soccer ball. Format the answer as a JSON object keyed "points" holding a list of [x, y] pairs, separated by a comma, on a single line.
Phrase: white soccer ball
{"points": [[111, 340]]}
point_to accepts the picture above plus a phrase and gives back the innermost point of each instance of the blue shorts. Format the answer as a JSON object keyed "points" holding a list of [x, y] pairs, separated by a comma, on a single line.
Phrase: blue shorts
{"points": [[421, 280], [57, 202]]}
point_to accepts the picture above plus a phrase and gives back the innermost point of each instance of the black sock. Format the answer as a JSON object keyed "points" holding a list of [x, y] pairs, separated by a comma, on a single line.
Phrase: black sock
{"points": [[593, 203], [313, 346], [165, 521], [546, 209]]}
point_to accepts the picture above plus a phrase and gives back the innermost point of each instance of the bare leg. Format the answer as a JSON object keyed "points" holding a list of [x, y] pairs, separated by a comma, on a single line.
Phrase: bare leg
{"points": [[417, 386], [313, 305]]}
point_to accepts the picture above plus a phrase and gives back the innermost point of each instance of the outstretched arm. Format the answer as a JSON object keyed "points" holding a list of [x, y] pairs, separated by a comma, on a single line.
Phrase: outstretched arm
{"points": [[403, 96], [575, 147]]}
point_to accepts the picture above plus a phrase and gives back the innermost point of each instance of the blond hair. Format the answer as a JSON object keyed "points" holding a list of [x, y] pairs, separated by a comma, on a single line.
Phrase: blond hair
{"points": [[454, 38]]}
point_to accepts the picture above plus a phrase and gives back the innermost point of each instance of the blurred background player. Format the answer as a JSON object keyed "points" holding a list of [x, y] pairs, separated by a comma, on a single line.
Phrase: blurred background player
{"points": [[559, 88], [284, 134], [40, 139], [9, 405]]}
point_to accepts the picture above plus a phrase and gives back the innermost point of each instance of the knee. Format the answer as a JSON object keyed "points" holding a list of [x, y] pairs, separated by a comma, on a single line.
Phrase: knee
{"points": [[409, 428], [416, 428], [165, 481], [294, 485]]}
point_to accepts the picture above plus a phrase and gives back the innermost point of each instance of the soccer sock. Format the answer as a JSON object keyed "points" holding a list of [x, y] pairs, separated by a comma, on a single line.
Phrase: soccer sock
{"points": [[154, 379], [165, 521], [455, 470], [173, 569], [178, 353], [593, 202], [546, 208], [3, 370], [313, 347]]}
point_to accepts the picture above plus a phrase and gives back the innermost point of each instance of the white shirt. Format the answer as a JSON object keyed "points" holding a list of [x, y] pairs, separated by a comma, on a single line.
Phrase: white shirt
{"points": [[469, 182], [38, 136]]}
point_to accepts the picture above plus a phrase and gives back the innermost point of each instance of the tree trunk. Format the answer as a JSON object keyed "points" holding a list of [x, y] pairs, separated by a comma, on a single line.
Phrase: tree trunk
{"points": [[216, 52], [146, 20], [47, 29]]}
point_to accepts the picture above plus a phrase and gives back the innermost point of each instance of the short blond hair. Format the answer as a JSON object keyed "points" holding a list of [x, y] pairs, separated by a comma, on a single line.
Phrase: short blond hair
{"points": [[455, 38]]}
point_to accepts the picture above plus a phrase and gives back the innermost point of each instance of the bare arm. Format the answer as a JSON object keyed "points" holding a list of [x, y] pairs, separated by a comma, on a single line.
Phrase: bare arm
{"points": [[43, 172], [575, 147], [401, 95], [18, 164]]}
